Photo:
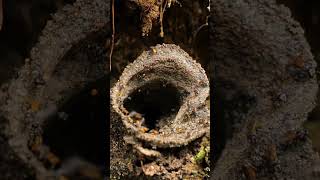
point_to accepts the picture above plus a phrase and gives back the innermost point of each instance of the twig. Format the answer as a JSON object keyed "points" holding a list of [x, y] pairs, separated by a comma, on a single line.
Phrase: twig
{"points": [[1, 15], [162, 9], [113, 34], [161, 25]]}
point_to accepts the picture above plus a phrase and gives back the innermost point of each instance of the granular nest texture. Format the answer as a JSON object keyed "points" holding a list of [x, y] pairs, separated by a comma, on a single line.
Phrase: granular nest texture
{"points": [[180, 165], [151, 12], [160, 116], [174, 163], [259, 51], [70, 53], [155, 70]]}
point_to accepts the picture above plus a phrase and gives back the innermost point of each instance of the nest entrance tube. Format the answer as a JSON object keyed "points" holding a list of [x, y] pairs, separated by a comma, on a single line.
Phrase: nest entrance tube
{"points": [[168, 90], [155, 100]]}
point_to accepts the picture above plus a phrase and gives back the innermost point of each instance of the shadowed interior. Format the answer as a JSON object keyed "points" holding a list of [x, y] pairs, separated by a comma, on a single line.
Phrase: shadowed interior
{"points": [[155, 100], [228, 113], [79, 127]]}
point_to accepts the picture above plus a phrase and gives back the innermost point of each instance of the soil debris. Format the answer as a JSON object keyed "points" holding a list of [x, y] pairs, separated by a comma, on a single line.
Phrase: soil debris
{"points": [[151, 169], [151, 11]]}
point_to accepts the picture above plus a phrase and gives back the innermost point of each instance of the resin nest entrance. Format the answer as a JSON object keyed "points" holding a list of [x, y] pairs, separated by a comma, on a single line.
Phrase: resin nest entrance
{"points": [[161, 97], [155, 101]]}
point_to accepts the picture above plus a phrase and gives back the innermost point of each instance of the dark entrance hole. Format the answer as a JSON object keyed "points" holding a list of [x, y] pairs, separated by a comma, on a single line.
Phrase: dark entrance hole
{"points": [[230, 108], [79, 129], [155, 100]]}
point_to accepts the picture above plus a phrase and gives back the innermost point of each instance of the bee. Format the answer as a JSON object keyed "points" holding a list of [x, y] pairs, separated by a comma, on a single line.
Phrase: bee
{"points": [[35, 146], [250, 172], [130, 167], [252, 127], [75, 166], [35, 105], [94, 92], [180, 130], [290, 136], [63, 178], [169, 3], [43, 152], [124, 110], [172, 2], [294, 136], [316, 169], [154, 132], [271, 153], [53, 159], [143, 129], [119, 94], [137, 117], [154, 50], [299, 61]]}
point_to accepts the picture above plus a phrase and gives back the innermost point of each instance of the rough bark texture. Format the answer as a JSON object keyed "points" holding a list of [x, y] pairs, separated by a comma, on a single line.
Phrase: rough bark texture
{"points": [[59, 64], [264, 70]]}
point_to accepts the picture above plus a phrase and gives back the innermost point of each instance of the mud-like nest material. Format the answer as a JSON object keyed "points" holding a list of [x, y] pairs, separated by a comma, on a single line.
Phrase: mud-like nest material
{"points": [[171, 90], [265, 74], [69, 55]]}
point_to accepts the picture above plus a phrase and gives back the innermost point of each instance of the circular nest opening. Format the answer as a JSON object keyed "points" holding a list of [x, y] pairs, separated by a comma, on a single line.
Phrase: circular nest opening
{"points": [[161, 97], [155, 101], [56, 121], [78, 128], [231, 106], [68, 130]]}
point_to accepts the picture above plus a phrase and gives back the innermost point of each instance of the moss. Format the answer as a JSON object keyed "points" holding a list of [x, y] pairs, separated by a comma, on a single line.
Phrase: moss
{"points": [[204, 152], [200, 155]]}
